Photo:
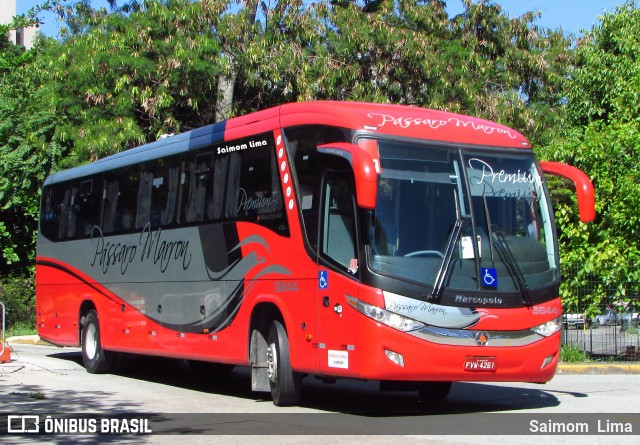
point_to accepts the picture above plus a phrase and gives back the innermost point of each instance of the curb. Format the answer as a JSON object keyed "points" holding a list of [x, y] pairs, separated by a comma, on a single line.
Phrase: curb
{"points": [[28, 340], [598, 368]]}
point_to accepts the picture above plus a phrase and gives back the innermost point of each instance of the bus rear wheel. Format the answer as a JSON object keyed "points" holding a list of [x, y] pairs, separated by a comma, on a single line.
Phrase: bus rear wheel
{"points": [[286, 384], [96, 360]]}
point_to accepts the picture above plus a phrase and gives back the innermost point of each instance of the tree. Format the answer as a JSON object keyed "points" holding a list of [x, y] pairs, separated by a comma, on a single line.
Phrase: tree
{"points": [[132, 77], [29, 151], [480, 62], [602, 137]]}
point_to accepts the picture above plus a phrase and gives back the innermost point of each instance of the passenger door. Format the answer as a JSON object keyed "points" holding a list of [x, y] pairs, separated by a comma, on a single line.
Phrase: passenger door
{"points": [[338, 273]]}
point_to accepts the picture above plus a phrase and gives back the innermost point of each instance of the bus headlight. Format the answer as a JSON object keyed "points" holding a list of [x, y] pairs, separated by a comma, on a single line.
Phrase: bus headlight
{"points": [[549, 328], [383, 316]]}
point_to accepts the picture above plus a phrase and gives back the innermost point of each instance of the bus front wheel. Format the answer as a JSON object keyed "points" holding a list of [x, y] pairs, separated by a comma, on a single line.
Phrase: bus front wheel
{"points": [[286, 384], [96, 360]]}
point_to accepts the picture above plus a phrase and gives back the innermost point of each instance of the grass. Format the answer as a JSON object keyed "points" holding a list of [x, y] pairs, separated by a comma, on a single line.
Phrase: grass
{"points": [[572, 354], [38, 395], [20, 329]]}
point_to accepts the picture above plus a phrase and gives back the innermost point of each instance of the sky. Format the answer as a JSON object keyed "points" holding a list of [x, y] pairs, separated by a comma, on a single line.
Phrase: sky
{"points": [[573, 16]]}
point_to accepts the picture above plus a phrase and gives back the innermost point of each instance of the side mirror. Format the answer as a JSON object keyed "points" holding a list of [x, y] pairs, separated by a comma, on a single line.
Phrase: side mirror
{"points": [[365, 170], [584, 187]]}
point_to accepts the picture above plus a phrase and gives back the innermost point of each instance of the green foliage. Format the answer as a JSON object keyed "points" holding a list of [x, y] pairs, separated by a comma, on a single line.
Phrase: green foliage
{"points": [[480, 62], [602, 137], [21, 328], [132, 77], [38, 395], [29, 151], [572, 354], [18, 296]]}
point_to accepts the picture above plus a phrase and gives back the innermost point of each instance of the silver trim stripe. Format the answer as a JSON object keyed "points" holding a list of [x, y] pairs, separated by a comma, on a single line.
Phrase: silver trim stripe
{"points": [[467, 337]]}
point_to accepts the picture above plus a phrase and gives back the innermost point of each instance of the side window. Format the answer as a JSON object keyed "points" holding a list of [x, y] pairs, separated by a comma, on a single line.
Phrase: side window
{"points": [[143, 212], [164, 195], [87, 207], [202, 184], [309, 165], [338, 222], [71, 209], [67, 227], [55, 211], [158, 193], [254, 193], [119, 203], [49, 214]]}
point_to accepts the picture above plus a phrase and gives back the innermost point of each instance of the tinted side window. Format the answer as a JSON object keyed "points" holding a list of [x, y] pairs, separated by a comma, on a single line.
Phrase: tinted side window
{"points": [[49, 214], [202, 188], [71, 209], [309, 166], [53, 219], [87, 206], [254, 193], [119, 205], [338, 222], [158, 193]]}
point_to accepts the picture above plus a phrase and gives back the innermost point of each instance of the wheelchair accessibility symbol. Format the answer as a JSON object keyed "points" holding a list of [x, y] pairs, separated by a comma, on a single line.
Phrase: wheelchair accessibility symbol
{"points": [[489, 277], [323, 279]]}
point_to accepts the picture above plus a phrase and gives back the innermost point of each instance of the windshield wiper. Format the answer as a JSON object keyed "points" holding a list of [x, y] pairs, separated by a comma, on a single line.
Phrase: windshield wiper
{"points": [[438, 285], [512, 265], [507, 255]]}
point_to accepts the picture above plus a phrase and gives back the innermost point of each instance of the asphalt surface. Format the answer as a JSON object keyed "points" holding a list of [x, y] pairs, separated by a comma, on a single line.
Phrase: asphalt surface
{"points": [[227, 412]]}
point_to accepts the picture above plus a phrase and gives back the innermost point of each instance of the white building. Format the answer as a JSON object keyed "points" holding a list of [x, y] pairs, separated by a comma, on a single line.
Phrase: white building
{"points": [[23, 36]]}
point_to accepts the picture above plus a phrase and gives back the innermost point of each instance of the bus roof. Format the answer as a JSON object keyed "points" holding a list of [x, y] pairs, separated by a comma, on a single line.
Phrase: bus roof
{"points": [[396, 120]]}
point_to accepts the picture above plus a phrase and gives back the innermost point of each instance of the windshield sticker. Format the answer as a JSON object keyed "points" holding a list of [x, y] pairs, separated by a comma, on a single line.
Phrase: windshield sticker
{"points": [[487, 181], [466, 247], [432, 314], [489, 277]]}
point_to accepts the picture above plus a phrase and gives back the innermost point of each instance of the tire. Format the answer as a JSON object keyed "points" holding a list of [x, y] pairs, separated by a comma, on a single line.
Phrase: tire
{"points": [[286, 385], [433, 391], [96, 360]]}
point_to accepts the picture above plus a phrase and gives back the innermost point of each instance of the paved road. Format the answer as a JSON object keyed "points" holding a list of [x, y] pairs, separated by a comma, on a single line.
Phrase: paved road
{"points": [[43, 379]]}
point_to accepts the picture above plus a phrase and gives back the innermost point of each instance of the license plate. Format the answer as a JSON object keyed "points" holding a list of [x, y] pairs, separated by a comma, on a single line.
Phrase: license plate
{"points": [[480, 364]]}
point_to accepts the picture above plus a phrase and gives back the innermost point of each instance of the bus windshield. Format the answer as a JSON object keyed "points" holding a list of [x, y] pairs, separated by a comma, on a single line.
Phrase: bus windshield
{"points": [[462, 219]]}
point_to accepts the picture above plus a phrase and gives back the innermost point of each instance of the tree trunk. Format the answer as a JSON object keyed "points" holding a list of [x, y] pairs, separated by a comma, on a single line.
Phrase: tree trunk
{"points": [[226, 84]]}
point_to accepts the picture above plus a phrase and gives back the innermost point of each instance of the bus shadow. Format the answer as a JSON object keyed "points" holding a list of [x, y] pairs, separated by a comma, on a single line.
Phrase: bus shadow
{"points": [[344, 396], [465, 398]]}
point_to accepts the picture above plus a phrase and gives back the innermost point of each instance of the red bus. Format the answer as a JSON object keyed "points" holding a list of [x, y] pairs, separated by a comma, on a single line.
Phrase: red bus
{"points": [[392, 243]]}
